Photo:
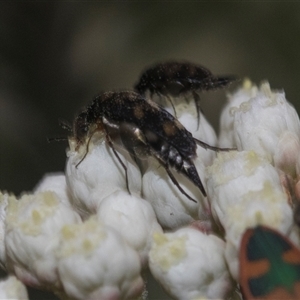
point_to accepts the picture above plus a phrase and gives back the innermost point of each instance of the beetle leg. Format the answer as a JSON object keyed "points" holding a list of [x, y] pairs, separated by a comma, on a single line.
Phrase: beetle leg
{"points": [[140, 136], [175, 182], [168, 98], [198, 108], [134, 142], [86, 150], [188, 171], [172, 104], [110, 144], [206, 146]]}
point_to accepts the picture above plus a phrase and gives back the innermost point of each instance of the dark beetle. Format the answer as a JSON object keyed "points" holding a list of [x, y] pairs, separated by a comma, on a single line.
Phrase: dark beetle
{"points": [[179, 79], [144, 129]]}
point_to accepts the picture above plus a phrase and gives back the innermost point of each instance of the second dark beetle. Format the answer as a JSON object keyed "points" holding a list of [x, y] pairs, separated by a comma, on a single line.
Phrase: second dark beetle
{"points": [[173, 79], [144, 129]]}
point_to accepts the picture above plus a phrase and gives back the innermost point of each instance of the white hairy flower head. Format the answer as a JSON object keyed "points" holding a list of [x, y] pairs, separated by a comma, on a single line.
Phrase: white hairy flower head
{"points": [[3, 205], [32, 225], [172, 208], [190, 264], [12, 288], [99, 174], [245, 190], [242, 94], [96, 263], [133, 218], [269, 124], [55, 182]]}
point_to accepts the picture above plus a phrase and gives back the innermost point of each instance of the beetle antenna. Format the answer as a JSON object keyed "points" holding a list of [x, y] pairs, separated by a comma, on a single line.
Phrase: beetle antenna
{"points": [[56, 139], [65, 125]]}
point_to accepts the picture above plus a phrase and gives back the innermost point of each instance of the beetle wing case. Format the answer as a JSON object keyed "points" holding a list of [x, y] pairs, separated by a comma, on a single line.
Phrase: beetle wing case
{"points": [[155, 122]]}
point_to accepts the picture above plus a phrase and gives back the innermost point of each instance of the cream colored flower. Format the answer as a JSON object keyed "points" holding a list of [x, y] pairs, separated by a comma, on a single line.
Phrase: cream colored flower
{"points": [[245, 191], [32, 225], [96, 263], [133, 218], [13, 289], [232, 175], [190, 264], [172, 208], [55, 182], [242, 94], [99, 174], [270, 125], [3, 206]]}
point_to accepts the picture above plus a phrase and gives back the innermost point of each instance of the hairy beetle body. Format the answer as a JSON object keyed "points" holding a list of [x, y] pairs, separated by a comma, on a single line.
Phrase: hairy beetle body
{"points": [[180, 78], [176, 78], [143, 129]]}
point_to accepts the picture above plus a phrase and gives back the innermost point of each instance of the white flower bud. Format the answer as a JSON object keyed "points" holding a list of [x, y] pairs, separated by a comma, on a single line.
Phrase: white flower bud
{"points": [[187, 116], [3, 205], [190, 264], [245, 191], [99, 174], [96, 263], [32, 226], [232, 175], [13, 289], [55, 182], [287, 154], [246, 92], [172, 208], [134, 219], [269, 125]]}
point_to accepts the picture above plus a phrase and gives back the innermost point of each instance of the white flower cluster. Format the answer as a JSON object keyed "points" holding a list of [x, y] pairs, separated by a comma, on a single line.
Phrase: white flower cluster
{"points": [[12, 288], [83, 236]]}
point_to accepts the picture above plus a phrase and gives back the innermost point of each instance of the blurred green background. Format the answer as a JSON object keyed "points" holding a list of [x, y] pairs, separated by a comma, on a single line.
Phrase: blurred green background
{"points": [[55, 56]]}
